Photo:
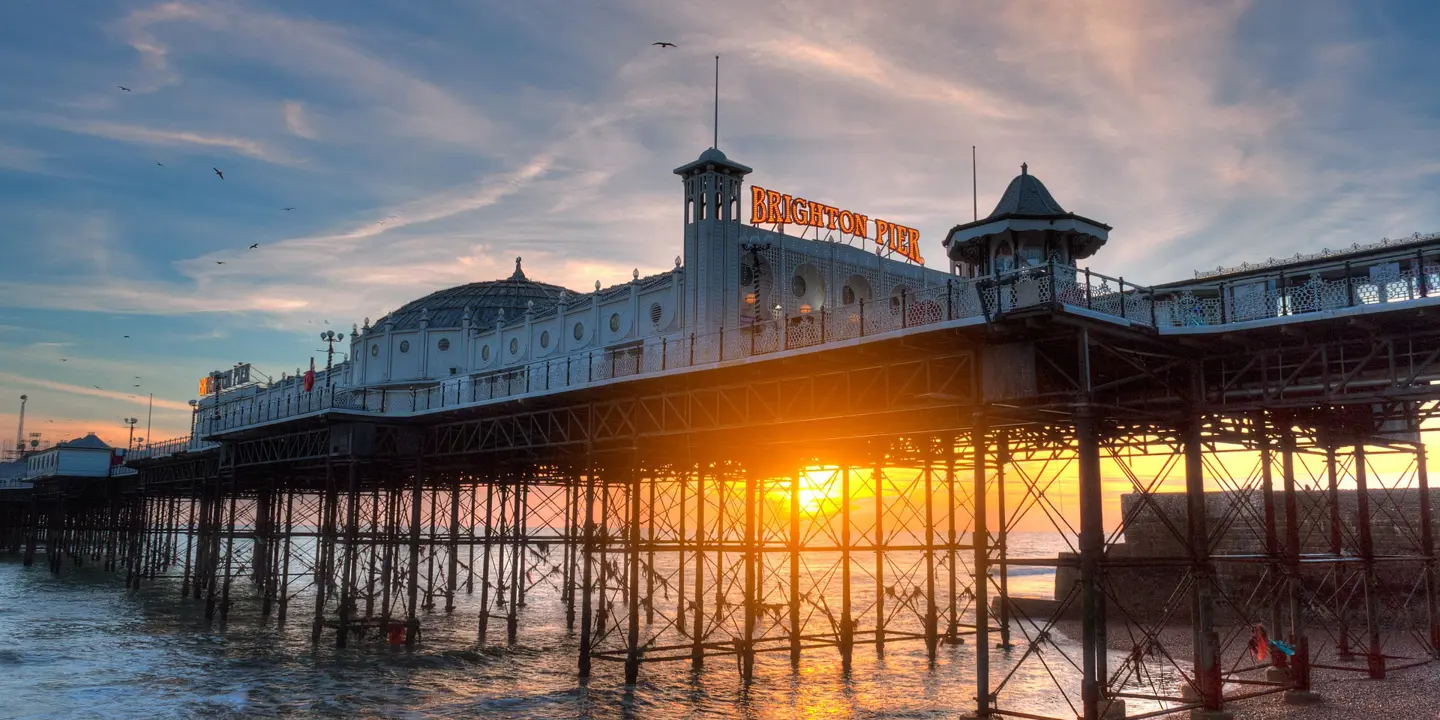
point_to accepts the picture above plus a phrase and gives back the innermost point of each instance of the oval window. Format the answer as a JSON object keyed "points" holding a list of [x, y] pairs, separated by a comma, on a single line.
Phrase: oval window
{"points": [[656, 312], [797, 286], [514, 345], [545, 339], [404, 346], [579, 331], [485, 353], [614, 322], [444, 344], [374, 351]]}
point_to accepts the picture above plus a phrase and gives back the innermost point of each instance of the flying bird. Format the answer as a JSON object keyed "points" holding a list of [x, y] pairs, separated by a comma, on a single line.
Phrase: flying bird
{"points": [[64, 359], [137, 377], [217, 172], [288, 209], [219, 262], [157, 162], [127, 336], [664, 44], [256, 245], [122, 87], [97, 387], [136, 386]]}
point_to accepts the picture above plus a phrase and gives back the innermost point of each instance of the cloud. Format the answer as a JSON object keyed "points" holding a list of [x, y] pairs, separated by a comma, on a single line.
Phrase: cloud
{"points": [[156, 136], [88, 391], [22, 159], [295, 120]]}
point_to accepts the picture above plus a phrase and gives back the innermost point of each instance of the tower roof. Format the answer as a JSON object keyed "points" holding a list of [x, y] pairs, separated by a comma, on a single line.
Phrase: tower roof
{"points": [[713, 158], [1025, 207], [1026, 195]]}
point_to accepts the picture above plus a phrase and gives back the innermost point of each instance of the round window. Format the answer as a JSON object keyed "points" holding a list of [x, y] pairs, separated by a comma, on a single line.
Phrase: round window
{"points": [[485, 353], [655, 313], [374, 351], [404, 346], [514, 345], [615, 322], [797, 286], [579, 331], [545, 339], [444, 344]]}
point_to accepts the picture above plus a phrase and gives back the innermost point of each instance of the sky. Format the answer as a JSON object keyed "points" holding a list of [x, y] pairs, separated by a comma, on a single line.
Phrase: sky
{"points": [[425, 145]]}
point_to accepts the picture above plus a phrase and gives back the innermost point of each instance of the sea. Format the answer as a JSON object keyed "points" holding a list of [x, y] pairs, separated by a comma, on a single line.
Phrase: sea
{"points": [[79, 645]]}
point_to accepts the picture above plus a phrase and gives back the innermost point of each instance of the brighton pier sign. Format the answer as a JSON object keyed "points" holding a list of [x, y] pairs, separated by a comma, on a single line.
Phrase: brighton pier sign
{"points": [[771, 207]]}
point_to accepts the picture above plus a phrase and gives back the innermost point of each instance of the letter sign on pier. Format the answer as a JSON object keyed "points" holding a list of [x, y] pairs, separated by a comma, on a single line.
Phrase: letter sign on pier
{"points": [[768, 206]]}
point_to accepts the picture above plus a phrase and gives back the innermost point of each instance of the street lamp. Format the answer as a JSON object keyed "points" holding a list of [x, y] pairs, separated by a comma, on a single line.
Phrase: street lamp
{"points": [[330, 337], [130, 444]]}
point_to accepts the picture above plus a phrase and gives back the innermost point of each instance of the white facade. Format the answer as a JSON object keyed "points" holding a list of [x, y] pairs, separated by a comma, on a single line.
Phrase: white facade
{"points": [[84, 457]]}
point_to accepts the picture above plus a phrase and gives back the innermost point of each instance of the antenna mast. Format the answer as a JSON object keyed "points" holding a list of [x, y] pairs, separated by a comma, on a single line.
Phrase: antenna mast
{"points": [[716, 143], [20, 431], [974, 186]]}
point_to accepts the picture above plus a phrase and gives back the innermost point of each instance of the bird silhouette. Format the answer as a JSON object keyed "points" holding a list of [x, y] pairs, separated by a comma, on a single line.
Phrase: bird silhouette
{"points": [[217, 172], [256, 245], [136, 386], [122, 87], [137, 377], [219, 262], [127, 336], [64, 359], [157, 162], [97, 387], [288, 209], [663, 44]]}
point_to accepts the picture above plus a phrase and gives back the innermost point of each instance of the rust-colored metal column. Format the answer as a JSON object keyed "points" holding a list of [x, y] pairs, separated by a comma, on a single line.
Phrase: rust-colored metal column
{"points": [[932, 621], [795, 541], [752, 595], [1427, 548], [980, 538], [1374, 657], [878, 480], [1300, 664], [697, 613], [847, 623], [632, 639], [412, 580], [1206, 642], [586, 616]]}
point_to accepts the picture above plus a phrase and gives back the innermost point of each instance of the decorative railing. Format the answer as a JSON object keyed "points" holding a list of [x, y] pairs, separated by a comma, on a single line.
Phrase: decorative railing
{"points": [[172, 446], [1279, 294]]}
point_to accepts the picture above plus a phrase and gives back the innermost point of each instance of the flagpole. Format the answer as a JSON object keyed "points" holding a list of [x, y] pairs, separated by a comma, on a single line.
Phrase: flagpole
{"points": [[149, 415], [716, 143]]}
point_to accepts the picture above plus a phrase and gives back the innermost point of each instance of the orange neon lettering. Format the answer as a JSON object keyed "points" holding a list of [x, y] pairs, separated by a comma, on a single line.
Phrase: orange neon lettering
{"points": [[788, 216], [847, 222], [758, 210], [862, 225], [817, 214], [800, 207], [774, 213], [832, 217], [882, 232]]}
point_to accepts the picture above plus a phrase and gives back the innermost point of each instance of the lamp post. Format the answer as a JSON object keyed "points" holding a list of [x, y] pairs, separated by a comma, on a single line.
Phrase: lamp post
{"points": [[330, 337], [130, 443]]}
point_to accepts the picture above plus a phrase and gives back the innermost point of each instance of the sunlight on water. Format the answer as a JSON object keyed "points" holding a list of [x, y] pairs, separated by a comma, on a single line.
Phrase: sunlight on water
{"points": [[79, 645]]}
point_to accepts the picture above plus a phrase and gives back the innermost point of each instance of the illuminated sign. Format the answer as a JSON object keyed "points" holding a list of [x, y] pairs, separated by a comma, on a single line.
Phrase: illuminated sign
{"points": [[768, 206], [225, 379]]}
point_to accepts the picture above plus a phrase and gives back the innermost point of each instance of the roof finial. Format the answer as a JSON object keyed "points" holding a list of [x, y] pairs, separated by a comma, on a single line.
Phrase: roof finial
{"points": [[1024, 170], [519, 274]]}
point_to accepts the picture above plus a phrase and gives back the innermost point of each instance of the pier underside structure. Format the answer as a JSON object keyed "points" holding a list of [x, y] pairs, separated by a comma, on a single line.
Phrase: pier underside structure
{"points": [[840, 497]]}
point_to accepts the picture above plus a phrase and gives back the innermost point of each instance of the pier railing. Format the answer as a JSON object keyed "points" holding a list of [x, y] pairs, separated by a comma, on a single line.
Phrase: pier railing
{"points": [[172, 446]]}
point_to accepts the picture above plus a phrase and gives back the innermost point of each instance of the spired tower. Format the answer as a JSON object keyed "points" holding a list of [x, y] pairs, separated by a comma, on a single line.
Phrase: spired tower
{"points": [[713, 185]]}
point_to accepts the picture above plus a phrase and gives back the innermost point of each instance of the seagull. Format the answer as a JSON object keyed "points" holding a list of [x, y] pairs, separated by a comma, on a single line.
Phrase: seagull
{"points": [[137, 377], [256, 245], [288, 209], [219, 262], [157, 162], [663, 44], [136, 386], [64, 359], [217, 172], [127, 336], [97, 387], [122, 87]]}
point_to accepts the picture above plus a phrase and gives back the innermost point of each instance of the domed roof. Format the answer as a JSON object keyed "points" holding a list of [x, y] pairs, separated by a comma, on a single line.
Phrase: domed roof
{"points": [[1026, 195], [446, 308], [713, 156]]}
